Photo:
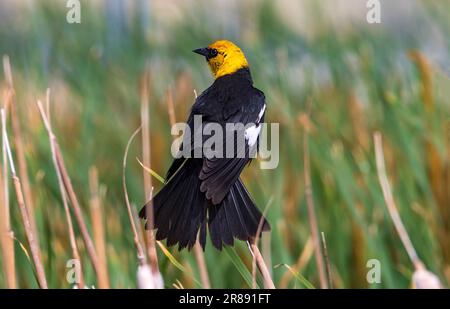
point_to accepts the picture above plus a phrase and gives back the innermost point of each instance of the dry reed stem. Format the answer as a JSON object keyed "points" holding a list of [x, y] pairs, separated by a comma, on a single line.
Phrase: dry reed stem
{"points": [[31, 237], [140, 231], [18, 144], [72, 237], [77, 210], [254, 250], [422, 278], [62, 171], [146, 157], [311, 211], [146, 277], [327, 261], [98, 228], [390, 203], [140, 252], [268, 283], [6, 233]]}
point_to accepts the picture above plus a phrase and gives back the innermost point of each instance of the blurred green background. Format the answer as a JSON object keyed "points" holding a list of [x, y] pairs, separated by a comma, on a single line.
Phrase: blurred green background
{"points": [[391, 77]]}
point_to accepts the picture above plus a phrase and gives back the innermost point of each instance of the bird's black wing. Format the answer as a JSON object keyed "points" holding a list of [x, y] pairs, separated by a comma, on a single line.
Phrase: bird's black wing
{"points": [[219, 174], [207, 106]]}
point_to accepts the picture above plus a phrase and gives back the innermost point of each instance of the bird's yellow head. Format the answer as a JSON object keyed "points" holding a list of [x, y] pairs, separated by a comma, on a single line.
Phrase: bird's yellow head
{"points": [[223, 57]]}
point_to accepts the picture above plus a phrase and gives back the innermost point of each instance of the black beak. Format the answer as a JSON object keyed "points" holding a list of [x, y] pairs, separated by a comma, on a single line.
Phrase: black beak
{"points": [[202, 51]]}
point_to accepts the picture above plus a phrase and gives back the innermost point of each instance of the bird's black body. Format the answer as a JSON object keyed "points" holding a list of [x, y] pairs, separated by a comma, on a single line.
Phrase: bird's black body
{"points": [[207, 193]]}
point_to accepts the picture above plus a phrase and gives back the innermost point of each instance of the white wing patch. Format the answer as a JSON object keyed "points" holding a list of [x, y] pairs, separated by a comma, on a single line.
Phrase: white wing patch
{"points": [[261, 113], [252, 133]]}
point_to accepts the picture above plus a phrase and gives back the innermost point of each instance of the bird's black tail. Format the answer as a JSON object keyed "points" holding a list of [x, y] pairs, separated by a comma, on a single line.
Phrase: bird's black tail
{"points": [[181, 210]]}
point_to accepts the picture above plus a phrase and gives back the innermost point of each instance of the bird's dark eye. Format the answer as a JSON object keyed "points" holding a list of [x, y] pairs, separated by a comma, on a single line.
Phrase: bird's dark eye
{"points": [[212, 53]]}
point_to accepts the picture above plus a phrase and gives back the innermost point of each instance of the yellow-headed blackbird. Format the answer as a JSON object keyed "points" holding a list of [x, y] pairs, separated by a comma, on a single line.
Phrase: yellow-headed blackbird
{"points": [[204, 192]]}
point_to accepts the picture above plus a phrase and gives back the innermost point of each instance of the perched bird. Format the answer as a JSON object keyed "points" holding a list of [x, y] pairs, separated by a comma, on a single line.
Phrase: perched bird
{"points": [[205, 193]]}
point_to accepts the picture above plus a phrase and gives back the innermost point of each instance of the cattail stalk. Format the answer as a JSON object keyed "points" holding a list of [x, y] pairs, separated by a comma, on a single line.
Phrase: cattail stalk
{"points": [[146, 277], [258, 259], [98, 228], [72, 237], [146, 157], [31, 237], [62, 171], [18, 144], [142, 260], [390, 203], [422, 278]]}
